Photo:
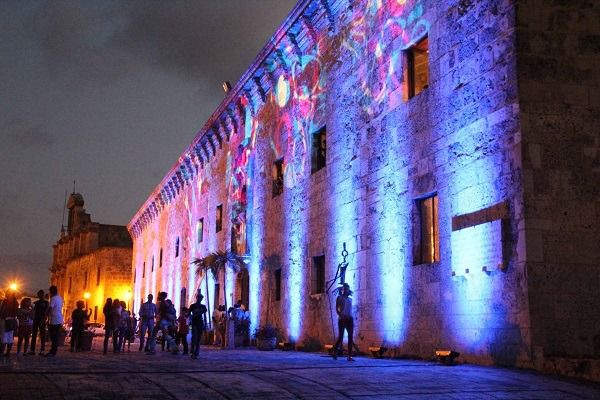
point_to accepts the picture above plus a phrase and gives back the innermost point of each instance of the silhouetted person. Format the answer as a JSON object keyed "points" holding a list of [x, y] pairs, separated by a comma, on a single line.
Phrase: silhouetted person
{"points": [[40, 314], [165, 319], [109, 326], [8, 314], [25, 318], [147, 315], [198, 317], [78, 318], [343, 307]]}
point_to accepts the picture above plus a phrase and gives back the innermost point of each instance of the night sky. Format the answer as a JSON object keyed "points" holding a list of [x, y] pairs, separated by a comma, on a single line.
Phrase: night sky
{"points": [[109, 94]]}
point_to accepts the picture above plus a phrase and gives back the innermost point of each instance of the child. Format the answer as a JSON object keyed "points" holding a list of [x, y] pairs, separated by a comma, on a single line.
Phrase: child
{"points": [[183, 329], [25, 318], [78, 318]]}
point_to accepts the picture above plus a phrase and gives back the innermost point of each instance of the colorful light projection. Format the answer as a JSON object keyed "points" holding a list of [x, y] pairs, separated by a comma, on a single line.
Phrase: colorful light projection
{"points": [[377, 36], [297, 104]]}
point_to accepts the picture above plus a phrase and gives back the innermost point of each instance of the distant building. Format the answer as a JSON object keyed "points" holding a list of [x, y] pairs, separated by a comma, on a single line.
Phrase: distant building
{"points": [[91, 258], [451, 147]]}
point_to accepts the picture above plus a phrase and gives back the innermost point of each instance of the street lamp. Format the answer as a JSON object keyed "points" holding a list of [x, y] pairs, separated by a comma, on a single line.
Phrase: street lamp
{"points": [[86, 296]]}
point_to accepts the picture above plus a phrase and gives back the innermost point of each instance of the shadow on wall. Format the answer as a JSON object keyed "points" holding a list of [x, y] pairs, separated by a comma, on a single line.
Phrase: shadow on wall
{"points": [[269, 266], [507, 342]]}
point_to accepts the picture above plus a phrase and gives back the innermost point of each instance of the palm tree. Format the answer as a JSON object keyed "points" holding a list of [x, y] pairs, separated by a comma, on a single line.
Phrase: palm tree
{"points": [[220, 261], [202, 267]]}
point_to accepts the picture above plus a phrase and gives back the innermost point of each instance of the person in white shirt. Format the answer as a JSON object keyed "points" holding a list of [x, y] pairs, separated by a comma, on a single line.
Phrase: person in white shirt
{"points": [[55, 319], [343, 307]]}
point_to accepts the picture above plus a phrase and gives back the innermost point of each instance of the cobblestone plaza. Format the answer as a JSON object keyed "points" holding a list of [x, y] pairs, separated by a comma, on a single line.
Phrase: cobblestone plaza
{"points": [[250, 374]]}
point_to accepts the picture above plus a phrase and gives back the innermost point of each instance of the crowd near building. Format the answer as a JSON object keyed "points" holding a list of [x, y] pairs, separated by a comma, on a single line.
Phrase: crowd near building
{"points": [[442, 156], [91, 261]]}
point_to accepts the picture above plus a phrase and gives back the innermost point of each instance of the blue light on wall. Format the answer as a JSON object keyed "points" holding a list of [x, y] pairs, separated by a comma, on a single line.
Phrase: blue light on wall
{"points": [[255, 232], [392, 253], [296, 260], [475, 298]]}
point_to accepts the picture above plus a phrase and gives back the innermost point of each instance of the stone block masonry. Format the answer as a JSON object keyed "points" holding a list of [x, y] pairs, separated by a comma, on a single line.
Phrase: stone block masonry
{"points": [[424, 191]]}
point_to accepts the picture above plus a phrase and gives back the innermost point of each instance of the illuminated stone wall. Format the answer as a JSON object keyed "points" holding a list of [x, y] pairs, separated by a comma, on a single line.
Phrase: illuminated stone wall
{"points": [[114, 282], [343, 65], [559, 90], [90, 257]]}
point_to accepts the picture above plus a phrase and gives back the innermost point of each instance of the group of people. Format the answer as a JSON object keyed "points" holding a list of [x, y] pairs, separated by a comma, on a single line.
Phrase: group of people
{"points": [[29, 319], [154, 318]]}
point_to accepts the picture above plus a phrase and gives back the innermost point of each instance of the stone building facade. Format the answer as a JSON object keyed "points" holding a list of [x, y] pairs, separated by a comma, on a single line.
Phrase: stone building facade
{"points": [[452, 148], [91, 258]]}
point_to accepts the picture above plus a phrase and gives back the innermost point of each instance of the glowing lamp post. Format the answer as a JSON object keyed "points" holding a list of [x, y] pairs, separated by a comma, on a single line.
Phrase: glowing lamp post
{"points": [[86, 296], [13, 286]]}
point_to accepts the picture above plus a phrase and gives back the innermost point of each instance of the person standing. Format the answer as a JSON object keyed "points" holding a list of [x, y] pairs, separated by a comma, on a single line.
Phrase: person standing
{"points": [[124, 326], [109, 327], [40, 313], [116, 317], [165, 319], [55, 319], [198, 319], [147, 315], [343, 307], [78, 318], [183, 329], [25, 318], [8, 313]]}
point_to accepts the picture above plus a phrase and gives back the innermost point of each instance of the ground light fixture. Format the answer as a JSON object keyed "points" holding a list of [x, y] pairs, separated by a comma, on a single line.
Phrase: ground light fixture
{"points": [[446, 356]]}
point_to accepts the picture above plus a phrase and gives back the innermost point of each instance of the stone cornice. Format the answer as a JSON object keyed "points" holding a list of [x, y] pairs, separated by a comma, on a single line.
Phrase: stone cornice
{"points": [[287, 45]]}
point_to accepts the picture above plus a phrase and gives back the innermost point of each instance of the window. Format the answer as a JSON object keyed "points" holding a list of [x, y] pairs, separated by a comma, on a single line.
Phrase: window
{"points": [[152, 270], [216, 295], [85, 279], [177, 247], [277, 177], [278, 284], [95, 313], [98, 276], [427, 240], [144, 270], [417, 67], [160, 259], [70, 283], [219, 218], [319, 149], [200, 230], [318, 275]]}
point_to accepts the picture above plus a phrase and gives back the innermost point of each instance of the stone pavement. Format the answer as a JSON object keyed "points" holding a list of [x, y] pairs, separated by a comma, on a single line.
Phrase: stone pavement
{"points": [[251, 374]]}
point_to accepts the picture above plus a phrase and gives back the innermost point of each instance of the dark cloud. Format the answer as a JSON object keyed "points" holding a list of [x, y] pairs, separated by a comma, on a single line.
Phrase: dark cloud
{"points": [[26, 137], [109, 93]]}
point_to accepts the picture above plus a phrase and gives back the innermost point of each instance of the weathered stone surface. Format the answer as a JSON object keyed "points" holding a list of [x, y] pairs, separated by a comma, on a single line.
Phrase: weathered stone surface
{"points": [[510, 117]]}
